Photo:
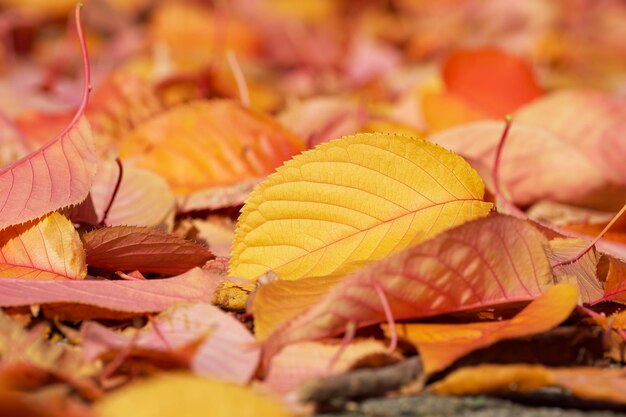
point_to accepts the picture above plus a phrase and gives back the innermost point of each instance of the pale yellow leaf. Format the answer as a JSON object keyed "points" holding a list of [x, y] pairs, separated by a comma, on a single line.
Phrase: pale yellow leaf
{"points": [[186, 395], [352, 201]]}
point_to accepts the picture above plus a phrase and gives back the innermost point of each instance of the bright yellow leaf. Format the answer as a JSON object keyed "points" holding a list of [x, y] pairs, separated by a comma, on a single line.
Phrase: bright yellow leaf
{"points": [[43, 249], [186, 395], [352, 201]]}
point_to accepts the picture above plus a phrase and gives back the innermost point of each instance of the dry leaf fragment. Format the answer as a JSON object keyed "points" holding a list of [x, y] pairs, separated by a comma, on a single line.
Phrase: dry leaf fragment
{"points": [[222, 347]]}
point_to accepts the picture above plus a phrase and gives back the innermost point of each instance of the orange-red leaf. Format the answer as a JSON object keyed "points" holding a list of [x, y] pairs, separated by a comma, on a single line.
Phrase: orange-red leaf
{"points": [[126, 248], [491, 79], [440, 345], [494, 260]]}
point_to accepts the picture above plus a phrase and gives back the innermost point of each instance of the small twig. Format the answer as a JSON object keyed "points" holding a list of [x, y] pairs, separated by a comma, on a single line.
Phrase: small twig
{"points": [[594, 241], [361, 383], [115, 190], [244, 94]]}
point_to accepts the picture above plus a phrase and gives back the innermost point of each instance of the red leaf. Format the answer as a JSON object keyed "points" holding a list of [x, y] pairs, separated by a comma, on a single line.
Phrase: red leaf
{"points": [[110, 299], [494, 81], [128, 248]]}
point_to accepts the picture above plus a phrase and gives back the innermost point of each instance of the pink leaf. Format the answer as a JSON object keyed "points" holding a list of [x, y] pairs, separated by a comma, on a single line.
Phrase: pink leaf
{"points": [[536, 164], [497, 259], [110, 299], [225, 349], [142, 199], [57, 175], [128, 248]]}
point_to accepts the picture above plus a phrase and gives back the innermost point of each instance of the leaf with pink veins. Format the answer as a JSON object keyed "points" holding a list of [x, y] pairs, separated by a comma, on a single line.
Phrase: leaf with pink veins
{"points": [[498, 259], [57, 175]]}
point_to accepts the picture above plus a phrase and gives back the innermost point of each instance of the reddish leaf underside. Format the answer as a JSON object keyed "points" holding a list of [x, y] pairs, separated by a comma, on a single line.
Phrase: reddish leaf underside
{"points": [[127, 248], [494, 260], [109, 299]]}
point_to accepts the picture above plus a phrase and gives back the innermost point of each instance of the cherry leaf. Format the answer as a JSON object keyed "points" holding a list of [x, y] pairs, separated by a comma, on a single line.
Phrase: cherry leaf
{"points": [[129, 248]]}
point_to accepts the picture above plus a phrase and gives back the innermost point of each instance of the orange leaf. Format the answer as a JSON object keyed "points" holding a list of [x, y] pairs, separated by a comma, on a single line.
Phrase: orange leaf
{"points": [[589, 383], [278, 301], [46, 249], [209, 143], [126, 248], [440, 345], [443, 110], [491, 79], [494, 260]]}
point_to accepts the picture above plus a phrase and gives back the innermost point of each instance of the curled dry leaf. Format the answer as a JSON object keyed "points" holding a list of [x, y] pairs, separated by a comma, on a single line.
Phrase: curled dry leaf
{"points": [[187, 395], [352, 201], [221, 347], [536, 164], [142, 199], [440, 345], [49, 248], [216, 198], [204, 144], [126, 248], [109, 299], [615, 286], [305, 361], [582, 273], [589, 383], [489, 261]]}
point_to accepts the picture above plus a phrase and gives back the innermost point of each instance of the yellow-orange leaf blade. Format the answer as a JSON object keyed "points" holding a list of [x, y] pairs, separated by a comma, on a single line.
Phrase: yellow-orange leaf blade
{"points": [[45, 249], [186, 395], [209, 143], [353, 201], [441, 344]]}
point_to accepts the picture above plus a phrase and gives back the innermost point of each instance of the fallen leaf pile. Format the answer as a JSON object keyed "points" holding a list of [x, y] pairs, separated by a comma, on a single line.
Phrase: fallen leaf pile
{"points": [[275, 207]]}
